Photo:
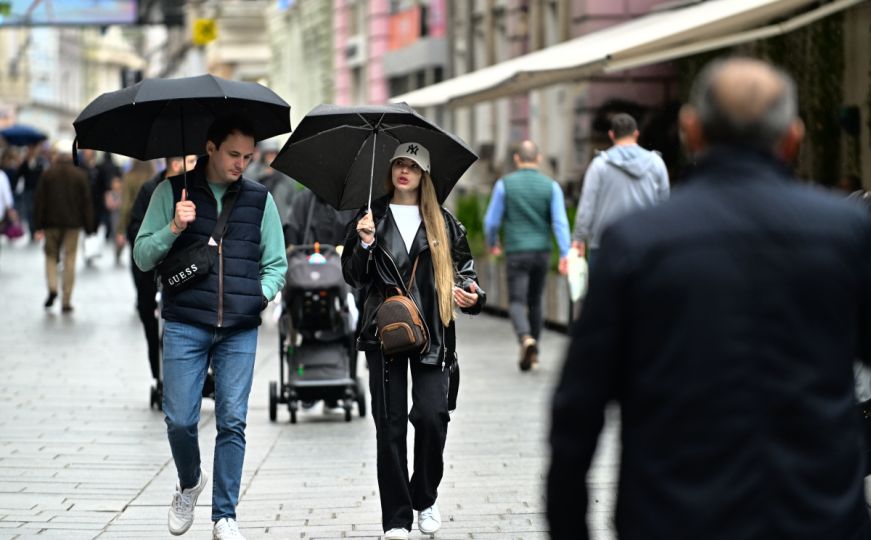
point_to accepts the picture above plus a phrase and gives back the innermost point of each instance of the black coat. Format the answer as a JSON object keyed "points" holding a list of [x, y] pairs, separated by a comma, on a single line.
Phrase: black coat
{"points": [[140, 206], [311, 220], [724, 322], [382, 266]]}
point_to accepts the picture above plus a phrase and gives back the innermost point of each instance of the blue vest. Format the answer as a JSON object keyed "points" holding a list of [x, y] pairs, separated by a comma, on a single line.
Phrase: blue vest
{"points": [[239, 304]]}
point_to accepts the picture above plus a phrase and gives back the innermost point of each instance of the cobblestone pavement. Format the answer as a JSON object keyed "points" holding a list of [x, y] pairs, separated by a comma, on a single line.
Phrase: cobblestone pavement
{"points": [[83, 456]]}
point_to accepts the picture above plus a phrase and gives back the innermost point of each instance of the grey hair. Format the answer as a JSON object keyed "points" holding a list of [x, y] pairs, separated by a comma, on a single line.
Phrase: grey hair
{"points": [[761, 131]]}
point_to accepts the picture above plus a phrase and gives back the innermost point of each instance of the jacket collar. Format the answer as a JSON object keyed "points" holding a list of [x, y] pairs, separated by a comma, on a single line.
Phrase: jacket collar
{"points": [[387, 231], [738, 163]]}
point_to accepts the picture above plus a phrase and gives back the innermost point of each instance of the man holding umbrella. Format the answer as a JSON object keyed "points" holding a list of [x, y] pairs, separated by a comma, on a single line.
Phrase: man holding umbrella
{"points": [[217, 317]]}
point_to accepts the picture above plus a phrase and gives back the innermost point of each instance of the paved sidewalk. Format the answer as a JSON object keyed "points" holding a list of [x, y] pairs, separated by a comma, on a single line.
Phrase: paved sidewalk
{"points": [[82, 456]]}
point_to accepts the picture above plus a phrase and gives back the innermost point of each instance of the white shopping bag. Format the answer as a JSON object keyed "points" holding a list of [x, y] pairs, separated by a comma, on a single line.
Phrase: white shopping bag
{"points": [[92, 247], [577, 275]]}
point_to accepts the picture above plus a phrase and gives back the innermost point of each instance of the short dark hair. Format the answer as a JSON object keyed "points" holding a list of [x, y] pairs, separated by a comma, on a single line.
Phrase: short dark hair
{"points": [[223, 126], [623, 125]]}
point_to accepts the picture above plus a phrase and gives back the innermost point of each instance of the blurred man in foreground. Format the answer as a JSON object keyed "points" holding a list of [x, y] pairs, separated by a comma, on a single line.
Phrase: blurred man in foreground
{"points": [[724, 322]]}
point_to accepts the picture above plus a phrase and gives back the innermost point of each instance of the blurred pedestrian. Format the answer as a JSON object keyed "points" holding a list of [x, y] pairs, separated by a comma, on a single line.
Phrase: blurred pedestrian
{"points": [[91, 247], [24, 185], [113, 210], [408, 238], [8, 215], [214, 321], [9, 163], [281, 186], [107, 178], [139, 193], [311, 219], [618, 181], [724, 322], [63, 207], [527, 205]]}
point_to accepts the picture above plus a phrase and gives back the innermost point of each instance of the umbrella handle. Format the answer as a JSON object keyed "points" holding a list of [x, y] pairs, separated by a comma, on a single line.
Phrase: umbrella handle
{"points": [[75, 154], [372, 169]]}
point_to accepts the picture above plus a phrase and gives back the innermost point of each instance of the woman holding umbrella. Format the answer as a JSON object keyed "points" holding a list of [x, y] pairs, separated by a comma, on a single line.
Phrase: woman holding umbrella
{"points": [[407, 242]]}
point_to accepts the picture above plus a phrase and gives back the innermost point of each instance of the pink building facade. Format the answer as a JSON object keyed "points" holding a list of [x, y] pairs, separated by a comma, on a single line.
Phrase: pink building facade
{"points": [[361, 39]]}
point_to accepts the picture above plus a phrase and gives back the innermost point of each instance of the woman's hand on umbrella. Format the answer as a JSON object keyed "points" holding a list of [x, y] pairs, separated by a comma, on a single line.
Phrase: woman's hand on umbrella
{"points": [[465, 299], [366, 228], [185, 212]]}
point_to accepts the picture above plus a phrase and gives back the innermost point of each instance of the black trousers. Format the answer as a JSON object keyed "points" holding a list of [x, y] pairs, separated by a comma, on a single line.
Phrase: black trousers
{"points": [[388, 386], [146, 305], [527, 271]]}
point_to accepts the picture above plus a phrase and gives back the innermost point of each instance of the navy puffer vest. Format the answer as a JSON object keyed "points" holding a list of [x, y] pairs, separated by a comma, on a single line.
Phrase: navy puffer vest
{"points": [[239, 301]]}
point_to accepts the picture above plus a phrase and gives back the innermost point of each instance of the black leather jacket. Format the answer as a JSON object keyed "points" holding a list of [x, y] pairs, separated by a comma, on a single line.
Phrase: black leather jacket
{"points": [[379, 268]]}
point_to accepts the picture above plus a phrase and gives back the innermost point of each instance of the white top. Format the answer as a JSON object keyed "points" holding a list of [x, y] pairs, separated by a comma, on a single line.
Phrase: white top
{"points": [[5, 194], [407, 218]]}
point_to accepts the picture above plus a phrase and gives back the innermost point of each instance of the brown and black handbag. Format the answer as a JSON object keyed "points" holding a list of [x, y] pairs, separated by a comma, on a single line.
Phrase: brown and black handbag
{"points": [[399, 322]]}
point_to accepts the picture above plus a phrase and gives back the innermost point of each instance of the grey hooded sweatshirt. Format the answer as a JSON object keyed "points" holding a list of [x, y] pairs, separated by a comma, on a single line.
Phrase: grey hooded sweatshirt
{"points": [[618, 181]]}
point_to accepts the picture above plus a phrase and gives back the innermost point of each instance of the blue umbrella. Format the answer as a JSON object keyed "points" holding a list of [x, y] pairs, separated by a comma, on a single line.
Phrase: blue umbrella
{"points": [[21, 135]]}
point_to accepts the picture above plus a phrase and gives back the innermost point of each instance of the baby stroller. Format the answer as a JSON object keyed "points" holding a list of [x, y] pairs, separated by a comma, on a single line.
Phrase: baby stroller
{"points": [[318, 359]]}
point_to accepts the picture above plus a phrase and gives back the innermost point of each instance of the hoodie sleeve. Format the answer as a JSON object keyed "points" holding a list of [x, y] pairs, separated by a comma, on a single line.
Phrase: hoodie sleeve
{"points": [[587, 203]]}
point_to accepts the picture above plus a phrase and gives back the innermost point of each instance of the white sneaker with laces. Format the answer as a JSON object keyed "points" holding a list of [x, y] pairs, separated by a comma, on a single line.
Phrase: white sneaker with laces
{"points": [[226, 529], [396, 534], [184, 501], [429, 520]]}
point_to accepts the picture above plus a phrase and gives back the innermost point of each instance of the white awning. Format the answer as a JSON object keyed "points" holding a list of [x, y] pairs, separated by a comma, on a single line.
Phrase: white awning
{"points": [[656, 37]]}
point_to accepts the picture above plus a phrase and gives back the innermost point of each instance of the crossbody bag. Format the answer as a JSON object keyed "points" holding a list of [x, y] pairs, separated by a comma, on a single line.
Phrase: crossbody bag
{"points": [[187, 266], [399, 322]]}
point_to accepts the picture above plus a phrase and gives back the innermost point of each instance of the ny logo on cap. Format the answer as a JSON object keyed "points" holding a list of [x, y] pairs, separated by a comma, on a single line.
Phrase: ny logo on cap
{"points": [[412, 149]]}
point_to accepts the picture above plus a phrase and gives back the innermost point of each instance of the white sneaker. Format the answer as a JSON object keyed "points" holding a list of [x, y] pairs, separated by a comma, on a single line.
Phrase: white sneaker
{"points": [[396, 534], [181, 511], [429, 520], [226, 529]]}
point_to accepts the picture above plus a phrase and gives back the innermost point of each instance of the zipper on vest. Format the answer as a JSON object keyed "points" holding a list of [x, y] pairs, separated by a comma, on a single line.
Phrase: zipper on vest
{"points": [[220, 283]]}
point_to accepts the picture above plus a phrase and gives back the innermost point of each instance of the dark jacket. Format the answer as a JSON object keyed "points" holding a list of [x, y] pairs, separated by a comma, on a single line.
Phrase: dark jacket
{"points": [[386, 262], [140, 206], [63, 199], [724, 322], [311, 219], [231, 296]]}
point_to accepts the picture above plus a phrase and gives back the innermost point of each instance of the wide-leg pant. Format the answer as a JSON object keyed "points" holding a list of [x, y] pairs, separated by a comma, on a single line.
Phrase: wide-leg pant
{"points": [[388, 386]]}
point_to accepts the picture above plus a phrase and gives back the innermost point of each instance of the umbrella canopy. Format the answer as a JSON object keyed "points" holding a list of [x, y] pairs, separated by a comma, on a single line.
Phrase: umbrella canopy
{"points": [[341, 153], [171, 117], [21, 135]]}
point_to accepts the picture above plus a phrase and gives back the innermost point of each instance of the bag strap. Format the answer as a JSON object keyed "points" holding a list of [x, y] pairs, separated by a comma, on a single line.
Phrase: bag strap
{"points": [[221, 224], [411, 279]]}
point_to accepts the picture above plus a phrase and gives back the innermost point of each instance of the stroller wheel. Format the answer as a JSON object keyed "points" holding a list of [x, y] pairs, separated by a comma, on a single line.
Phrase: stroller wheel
{"points": [[361, 406], [156, 398], [273, 401]]}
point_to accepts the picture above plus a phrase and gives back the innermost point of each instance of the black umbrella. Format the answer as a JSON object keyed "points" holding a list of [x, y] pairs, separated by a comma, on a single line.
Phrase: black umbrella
{"points": [[22, 135], [171, 117], [342, 153]]}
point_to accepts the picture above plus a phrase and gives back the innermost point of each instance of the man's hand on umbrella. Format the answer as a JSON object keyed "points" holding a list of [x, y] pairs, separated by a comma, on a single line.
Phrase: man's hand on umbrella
{"points": [[185, 212], [366, 228]]}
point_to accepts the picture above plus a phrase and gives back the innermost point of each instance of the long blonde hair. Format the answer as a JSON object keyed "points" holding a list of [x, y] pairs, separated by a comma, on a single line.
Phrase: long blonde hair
{"points": [[439, 247]]}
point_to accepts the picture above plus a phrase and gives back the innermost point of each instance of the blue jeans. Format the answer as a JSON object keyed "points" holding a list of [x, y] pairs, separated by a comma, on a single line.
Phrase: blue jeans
{"points": [[187, 349]]}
